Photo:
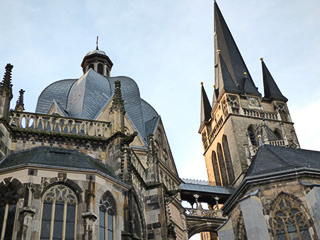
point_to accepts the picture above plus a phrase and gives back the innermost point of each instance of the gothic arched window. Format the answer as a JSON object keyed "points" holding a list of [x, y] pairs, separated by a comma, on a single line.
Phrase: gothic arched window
{"points": [[216, 169], [228, 159], [107, 212], [222, 165], [252, 136], [8, 203], [59, 213], [289, 221], [278, 134]]}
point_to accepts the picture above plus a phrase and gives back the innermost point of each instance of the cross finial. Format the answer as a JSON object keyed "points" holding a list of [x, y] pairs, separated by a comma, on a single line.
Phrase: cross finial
{"points": [[97, 48]]}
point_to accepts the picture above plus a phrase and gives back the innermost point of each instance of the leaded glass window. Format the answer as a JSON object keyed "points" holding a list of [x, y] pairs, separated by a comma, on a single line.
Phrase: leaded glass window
{"points": [[289, 221], [59, 214], [107, 217]]}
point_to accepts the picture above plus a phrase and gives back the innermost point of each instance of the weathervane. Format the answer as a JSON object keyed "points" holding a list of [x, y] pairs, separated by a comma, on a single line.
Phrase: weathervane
{"points": [[97, 48]]}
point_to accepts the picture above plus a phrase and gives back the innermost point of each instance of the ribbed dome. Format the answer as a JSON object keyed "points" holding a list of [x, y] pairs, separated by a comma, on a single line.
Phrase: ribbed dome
{"points": [[87, 96]]}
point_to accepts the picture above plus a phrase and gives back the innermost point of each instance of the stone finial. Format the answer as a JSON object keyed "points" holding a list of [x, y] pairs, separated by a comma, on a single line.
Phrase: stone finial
{"points": [[20, 104], [117, 102], [97, 43]]}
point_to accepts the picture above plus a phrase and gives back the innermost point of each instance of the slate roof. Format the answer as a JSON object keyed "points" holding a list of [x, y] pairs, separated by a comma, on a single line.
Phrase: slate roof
{"points": [[230, 66], [86, 97], [55, 157], [58, 91], [271, 89], [272, 160]]}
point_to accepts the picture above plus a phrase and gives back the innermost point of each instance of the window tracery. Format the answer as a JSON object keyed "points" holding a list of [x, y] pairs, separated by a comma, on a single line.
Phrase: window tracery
{"points": [[59, 213], [289, 221]]}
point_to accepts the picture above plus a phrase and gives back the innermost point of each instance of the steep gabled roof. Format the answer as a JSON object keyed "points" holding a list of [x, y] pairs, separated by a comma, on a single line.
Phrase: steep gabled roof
{"points": [[271, 89], [229, 61]]}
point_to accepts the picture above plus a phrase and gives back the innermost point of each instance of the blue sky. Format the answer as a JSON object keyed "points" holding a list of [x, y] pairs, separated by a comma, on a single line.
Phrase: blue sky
{"points": [[167, 48]]}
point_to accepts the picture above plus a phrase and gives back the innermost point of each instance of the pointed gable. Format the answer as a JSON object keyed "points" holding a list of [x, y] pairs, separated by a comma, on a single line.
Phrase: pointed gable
{"points": [[271, 90], [233, 72]]}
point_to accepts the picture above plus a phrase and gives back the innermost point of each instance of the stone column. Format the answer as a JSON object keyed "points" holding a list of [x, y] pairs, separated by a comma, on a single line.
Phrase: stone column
{"points": [[254, 221], [90, 217], [27, 213], [313, 200]]}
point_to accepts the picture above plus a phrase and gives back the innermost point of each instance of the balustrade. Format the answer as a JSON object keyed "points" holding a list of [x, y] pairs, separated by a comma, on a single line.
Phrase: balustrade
{"points": [[201, 212], [260, 114], [59, 124]]}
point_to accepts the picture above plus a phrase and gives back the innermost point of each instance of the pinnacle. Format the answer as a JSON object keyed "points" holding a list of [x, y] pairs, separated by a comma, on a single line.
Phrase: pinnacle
{"points": [[7, 76]]}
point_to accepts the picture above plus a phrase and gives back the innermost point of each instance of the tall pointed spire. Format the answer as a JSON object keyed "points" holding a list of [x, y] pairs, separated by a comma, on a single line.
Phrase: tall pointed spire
{"points": [[229, 61], [271, 90], [205, 107]]}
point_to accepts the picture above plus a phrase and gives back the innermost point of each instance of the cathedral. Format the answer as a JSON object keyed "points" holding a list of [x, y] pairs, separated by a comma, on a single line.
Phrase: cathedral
{"points": [[93, 160]]}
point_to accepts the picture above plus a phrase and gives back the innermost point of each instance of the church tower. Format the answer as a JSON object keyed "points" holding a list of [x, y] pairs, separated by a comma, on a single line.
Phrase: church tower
{"points": [[240, 119]]}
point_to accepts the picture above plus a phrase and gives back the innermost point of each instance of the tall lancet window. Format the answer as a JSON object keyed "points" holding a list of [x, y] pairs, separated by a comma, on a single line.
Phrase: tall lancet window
{"points": [[107, 212], [228, 160], [222, 166], [252, 136], [8, 203], [216, 169], [58, 218], [289, 220]]}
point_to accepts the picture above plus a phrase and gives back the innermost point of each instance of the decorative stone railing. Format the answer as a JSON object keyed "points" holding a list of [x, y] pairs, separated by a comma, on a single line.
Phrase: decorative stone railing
{"points": [[59, 124], [202, 213], [260, 114]]}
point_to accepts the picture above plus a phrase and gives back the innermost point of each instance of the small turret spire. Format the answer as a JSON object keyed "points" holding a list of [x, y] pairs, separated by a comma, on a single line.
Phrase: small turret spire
{"points": [[6, 93], [117, 98], [20, 104], [271, 90], [205, 107], [6, 83]]}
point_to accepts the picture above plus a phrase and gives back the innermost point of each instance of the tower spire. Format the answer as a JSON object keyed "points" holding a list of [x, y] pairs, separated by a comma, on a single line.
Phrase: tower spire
{"points": [[271, 90], [205, 108], [229, 61]]}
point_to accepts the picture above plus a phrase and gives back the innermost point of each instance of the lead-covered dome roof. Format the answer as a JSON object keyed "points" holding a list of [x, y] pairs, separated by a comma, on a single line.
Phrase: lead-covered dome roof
{"points": [[87, 96]]}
